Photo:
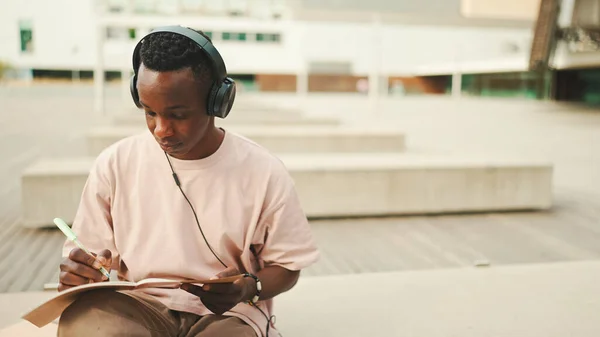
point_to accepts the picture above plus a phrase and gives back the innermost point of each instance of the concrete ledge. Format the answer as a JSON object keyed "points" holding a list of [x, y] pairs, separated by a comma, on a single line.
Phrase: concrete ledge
{"points": [[341, 185], [284, 139], [393, 184], [539, 300]]}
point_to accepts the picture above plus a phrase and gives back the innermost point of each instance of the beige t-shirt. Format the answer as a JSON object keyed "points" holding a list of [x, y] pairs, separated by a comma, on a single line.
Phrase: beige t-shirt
{"points": [[243, 196]]}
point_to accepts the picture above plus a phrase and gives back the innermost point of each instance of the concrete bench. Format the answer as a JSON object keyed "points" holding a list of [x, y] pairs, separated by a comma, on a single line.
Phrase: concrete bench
{"points": [[515, 300], [341, 185], [281, 139]]}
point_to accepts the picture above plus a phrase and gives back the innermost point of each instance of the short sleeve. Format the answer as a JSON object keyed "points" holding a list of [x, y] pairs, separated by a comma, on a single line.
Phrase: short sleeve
{"points": [[287, 237], [93, 223]]}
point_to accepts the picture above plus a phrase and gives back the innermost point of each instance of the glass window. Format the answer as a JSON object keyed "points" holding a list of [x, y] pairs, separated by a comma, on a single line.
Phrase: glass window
{"points": [[26, 36], [229, 36], [263, 37]]}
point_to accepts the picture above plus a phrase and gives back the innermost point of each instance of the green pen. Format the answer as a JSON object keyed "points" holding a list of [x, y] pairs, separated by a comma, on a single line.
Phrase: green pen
{"points": [[62, 225]]}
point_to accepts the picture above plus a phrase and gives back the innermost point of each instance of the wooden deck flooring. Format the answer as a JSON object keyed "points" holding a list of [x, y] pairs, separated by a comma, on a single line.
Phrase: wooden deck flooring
{"points": [[50, 121]]}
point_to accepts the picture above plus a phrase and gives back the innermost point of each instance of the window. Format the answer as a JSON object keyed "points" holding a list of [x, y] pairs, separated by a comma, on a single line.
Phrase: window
{"points": [[262, 37], [229, 36], [119, 33], [26, 35]]}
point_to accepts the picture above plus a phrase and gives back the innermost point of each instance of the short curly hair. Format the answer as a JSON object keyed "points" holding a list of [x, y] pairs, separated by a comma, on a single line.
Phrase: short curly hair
{"points": [[169, 51]]}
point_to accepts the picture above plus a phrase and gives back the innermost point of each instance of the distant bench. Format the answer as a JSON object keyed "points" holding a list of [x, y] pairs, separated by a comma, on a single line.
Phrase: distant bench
{"points": [[250, 117], [341, 185], [281, 139]]}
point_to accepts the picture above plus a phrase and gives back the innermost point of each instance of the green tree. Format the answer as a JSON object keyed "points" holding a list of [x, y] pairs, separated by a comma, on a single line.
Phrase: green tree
{"points": [[4, 67]]}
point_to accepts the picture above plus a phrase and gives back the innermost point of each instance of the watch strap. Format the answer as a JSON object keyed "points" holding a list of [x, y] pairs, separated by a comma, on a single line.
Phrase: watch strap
{"points": [[256, 296]]}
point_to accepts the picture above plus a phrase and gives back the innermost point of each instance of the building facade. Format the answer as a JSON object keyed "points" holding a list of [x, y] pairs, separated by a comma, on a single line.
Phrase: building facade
{"points": [[459, 47]]}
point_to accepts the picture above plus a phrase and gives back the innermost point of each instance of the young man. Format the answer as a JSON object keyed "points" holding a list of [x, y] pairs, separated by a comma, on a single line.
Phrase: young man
{"points": [[188, 200]]}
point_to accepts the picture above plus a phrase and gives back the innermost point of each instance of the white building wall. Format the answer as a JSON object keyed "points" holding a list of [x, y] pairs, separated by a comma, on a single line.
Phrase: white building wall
{"points": [[64, 38], [62, 33], [241, 56], [414, 49], [501, 9], [429, 50], [339, 42]]}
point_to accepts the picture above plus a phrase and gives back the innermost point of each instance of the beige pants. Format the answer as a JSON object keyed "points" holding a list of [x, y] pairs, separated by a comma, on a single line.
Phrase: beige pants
{"points": [[130, 313]]}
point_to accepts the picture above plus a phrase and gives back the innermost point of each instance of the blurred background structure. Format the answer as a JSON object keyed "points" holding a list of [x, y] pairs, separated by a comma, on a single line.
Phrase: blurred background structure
{"points": [[476, 48], [425, 138], [465, 47], [460, 47]]}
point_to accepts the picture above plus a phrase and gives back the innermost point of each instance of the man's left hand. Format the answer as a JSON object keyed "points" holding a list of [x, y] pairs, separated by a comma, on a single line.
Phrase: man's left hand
{"points": [[220, 298]]}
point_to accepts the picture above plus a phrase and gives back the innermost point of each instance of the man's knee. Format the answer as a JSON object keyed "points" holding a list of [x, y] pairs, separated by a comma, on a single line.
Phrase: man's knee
{"points": [[108, 313], [216, 326], [91, 314]]}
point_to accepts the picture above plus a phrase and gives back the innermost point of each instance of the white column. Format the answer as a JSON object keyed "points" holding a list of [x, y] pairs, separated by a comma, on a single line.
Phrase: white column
{"points": [[75, 75], [99, 70], [302, 82], [456, 85], [561, 54], [385, 85], [565, 13], [375, 71]]}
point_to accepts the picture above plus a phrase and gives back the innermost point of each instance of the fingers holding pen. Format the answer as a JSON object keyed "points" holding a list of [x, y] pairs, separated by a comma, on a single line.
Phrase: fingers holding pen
{"points": [[82, 268]]}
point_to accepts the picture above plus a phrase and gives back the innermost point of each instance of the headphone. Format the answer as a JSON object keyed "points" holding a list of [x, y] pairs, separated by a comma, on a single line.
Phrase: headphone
{"points": [[223, 90]]}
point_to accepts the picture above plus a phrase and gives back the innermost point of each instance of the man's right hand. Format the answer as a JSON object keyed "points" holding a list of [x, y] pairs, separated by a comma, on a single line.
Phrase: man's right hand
{"points": [[80, 268]]}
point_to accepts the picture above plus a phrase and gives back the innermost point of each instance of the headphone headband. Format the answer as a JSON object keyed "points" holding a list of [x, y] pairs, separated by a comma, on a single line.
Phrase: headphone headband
{"points": [[218, 65]]}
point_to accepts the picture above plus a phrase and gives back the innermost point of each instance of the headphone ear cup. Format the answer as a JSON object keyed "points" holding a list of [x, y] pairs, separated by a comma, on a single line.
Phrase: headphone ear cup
{"points": [[230, 97], [212, 97], [224, 97], [134, 93]]}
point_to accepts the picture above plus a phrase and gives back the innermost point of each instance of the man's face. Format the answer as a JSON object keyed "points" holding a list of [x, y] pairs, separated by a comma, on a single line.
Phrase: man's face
{"points": [[175, 105]]}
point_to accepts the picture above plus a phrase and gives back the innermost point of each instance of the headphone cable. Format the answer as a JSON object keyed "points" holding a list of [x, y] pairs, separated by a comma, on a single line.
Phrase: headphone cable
{"points": [[178, 183], [193, 211]]}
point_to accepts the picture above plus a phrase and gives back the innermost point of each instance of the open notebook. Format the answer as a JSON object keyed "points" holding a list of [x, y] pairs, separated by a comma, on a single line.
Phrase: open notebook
{"points": [[53, 308]]}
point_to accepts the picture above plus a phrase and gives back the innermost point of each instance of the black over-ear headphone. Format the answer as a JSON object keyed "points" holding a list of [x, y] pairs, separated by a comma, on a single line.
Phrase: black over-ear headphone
{"points": [[223, 90]]}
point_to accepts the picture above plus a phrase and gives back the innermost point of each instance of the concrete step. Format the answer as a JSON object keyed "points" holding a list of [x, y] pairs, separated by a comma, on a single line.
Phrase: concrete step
{"points": [[282, 139], [342, 185]]}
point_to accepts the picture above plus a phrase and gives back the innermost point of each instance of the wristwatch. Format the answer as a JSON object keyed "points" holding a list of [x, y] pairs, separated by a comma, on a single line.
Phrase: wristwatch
{"points": [[258, 288]]}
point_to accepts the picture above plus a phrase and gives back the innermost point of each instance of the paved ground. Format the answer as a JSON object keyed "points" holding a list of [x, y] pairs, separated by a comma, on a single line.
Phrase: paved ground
{"points": [[37, 121], [50, 121]]}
